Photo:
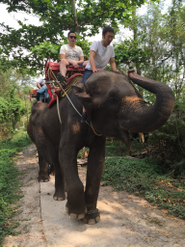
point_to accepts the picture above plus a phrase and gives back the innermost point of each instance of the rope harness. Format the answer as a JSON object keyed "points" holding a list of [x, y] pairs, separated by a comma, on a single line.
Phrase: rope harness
{"points": [[93, 211], [65, 93]]}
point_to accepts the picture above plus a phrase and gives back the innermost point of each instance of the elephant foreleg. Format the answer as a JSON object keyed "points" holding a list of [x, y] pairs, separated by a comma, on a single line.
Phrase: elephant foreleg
{"points": [[75, 206], [95, 167]]}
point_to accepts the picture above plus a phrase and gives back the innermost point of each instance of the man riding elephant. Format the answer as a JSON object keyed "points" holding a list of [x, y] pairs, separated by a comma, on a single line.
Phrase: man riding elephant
{"points": [[101, 53], [70, 54]]}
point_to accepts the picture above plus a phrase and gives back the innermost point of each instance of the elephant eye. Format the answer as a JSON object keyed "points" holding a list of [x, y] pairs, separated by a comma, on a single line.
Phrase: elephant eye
{"points": [[113, 100]]}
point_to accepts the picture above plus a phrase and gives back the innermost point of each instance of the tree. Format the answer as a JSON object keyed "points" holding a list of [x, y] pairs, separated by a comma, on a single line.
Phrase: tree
{"points": [[162, 37], [56, 17], [13, 104]]}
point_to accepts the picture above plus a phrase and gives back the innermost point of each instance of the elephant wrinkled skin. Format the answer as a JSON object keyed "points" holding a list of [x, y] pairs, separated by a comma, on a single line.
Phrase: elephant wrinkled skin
{"points": [[114, 108]]}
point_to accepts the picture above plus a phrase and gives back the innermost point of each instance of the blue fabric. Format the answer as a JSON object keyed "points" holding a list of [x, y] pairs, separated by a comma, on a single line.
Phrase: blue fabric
{"points": [[43, 91], [80, 64], [86, 75]]}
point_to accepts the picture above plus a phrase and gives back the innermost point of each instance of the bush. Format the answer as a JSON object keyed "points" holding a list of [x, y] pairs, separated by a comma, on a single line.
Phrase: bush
{"points": [[146, 177], [11, 110], [168, 145]]}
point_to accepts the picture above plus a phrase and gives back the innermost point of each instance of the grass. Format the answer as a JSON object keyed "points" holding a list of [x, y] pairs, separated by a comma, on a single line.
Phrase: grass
{"points": [[145, 177], [9, 182]]}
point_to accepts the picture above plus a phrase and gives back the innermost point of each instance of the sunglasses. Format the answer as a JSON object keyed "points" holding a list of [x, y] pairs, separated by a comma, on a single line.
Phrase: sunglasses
{"points": [[72, 37]]}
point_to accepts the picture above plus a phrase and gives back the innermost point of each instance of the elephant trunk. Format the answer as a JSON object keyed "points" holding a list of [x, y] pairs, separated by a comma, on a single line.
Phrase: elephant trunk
{"points": [[138, 117]]}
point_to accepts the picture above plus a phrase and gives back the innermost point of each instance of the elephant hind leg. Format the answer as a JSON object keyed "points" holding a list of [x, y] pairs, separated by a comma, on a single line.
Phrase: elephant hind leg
{"points": [[43, 170]]}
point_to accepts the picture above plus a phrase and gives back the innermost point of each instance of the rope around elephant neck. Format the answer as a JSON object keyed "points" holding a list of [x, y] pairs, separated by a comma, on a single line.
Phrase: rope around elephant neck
{"points": [[58, 111], [94, 129], [90, 125]]}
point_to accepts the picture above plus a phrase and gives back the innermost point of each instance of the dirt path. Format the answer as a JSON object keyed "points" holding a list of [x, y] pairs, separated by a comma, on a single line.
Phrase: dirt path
{"points": [[126, 220]]}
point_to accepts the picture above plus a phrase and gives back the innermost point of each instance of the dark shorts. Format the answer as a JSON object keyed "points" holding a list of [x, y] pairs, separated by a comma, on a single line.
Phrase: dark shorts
{"points": [[80, 64], [86, 75]]}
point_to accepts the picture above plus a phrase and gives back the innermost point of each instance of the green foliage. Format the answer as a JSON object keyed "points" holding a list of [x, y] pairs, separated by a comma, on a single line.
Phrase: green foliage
{"points": [[9, 182], [113, 147], [161, 36], [85, 45], [168, 144], [128, 53], [145, 177], [45, 50], [80, 153], [11, 109], [158, 48], [14, 101], [55, 17]]}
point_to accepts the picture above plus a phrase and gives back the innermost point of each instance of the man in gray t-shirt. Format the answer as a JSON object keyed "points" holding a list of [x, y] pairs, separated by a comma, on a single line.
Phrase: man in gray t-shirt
{"points": [[69, 54]]}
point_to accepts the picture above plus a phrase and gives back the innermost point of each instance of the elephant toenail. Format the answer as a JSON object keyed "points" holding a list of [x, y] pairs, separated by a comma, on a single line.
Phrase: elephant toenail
{"points": [[73, 216], [91, 222], [81, 216]]}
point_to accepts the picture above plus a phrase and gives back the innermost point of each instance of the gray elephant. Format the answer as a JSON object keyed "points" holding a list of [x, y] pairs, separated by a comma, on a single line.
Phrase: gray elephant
{"points": [[114, 108]]}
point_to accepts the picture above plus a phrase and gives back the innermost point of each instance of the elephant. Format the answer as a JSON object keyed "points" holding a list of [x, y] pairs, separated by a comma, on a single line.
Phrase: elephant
{"points": [[114, 108]]}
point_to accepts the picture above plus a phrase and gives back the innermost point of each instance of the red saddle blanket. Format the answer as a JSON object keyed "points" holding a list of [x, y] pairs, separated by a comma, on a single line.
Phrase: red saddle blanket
{"points": [[61, 92], [52, 68], [33, 93]]}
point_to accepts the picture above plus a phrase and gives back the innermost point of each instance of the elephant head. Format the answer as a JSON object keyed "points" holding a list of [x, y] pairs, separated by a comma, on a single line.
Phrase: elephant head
{"points": [[113, 105]]}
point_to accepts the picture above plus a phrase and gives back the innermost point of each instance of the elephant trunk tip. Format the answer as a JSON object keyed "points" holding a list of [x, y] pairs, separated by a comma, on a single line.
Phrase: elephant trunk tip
{"points": [[131, 70]]}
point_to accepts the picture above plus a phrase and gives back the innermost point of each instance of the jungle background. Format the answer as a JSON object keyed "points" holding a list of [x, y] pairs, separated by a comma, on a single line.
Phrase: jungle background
{"points": [[155, 49]]}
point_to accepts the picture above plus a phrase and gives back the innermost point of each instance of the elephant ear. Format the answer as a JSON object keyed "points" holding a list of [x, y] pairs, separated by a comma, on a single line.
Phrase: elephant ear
{"points": [[81, 94], [84, 98]]}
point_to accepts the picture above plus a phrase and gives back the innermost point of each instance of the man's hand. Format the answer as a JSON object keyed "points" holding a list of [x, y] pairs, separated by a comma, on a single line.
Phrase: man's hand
{"points": [[75, 65], [96, 70]]}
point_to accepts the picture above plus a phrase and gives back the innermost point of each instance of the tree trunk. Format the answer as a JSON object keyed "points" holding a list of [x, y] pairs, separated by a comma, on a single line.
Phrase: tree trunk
{"points": [[136, 39], [77, 27]]}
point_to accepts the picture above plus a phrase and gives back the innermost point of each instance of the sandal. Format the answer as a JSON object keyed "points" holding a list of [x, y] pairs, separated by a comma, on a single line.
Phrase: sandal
{"points": [[61, 79]]}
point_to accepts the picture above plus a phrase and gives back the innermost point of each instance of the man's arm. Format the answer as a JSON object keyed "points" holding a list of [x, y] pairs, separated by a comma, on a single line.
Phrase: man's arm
{"points": [[112, 64], [92, 62], [38, 85], [62, 56], [74, 63], [81, 59]]}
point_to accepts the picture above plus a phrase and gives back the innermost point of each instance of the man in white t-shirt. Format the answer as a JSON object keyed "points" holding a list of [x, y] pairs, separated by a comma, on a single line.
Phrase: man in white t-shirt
{"points": [[101, 53], [69, 54]]}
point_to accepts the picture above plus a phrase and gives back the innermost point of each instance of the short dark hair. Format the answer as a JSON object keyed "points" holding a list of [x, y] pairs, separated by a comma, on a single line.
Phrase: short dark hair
{"points": [[107, 29], [70, 33]]}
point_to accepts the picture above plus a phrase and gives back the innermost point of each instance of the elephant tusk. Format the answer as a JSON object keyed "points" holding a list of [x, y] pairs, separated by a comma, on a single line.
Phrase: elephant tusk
{"points": [[141, 137]]}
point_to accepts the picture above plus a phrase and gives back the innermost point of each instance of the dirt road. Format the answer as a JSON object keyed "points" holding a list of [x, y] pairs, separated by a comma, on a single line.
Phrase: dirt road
{"points": [[126, 220]]}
